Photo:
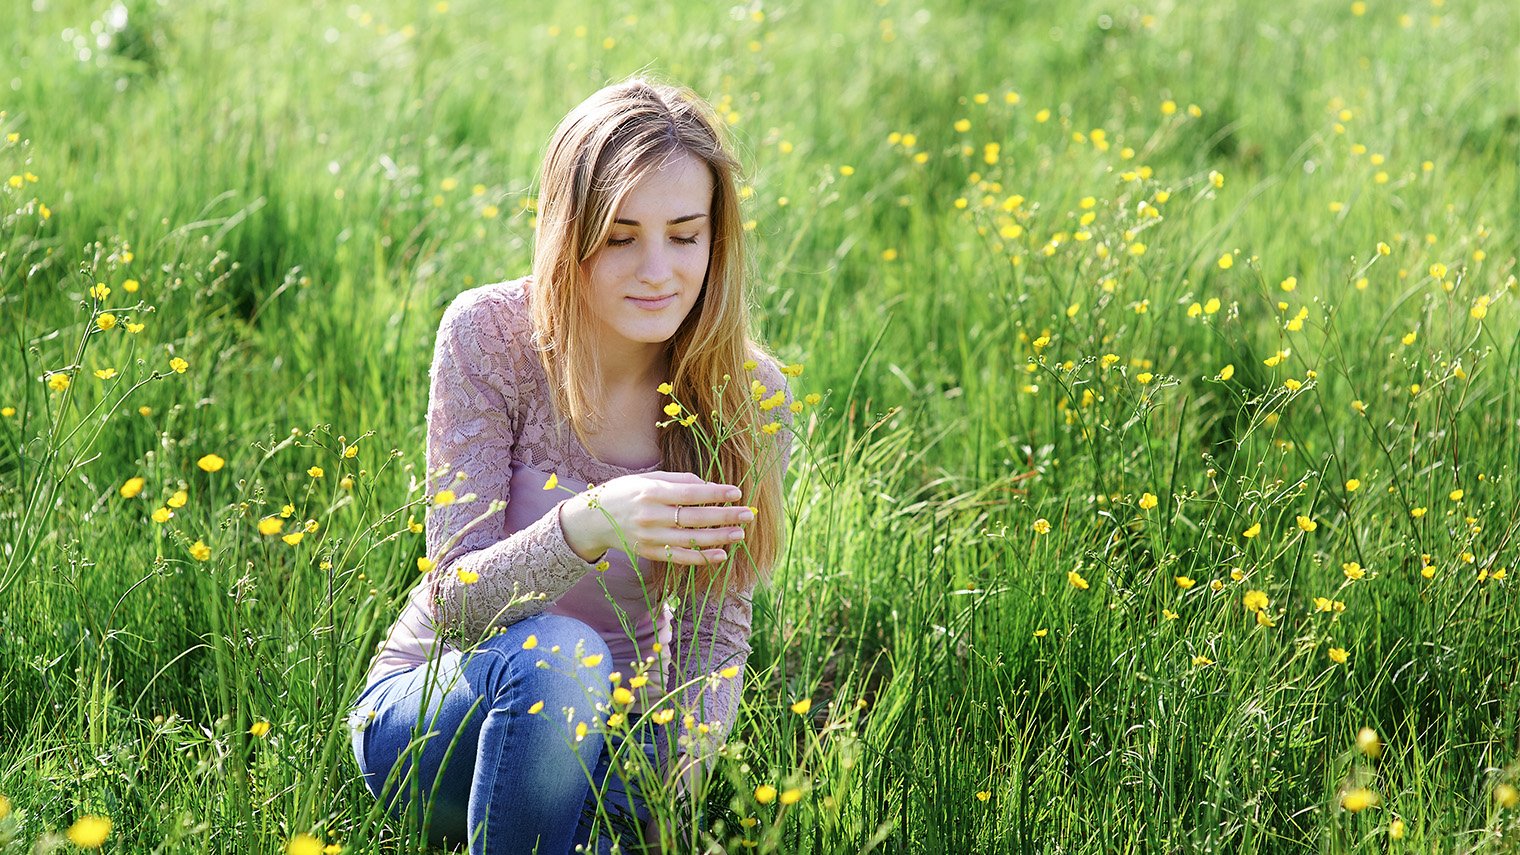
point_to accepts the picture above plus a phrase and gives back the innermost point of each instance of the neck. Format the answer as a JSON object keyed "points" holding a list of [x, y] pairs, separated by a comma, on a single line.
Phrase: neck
{"points": [[620, 375]]}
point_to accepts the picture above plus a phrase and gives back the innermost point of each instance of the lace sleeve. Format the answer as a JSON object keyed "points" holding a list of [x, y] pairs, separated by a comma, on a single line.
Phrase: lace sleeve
{"points": [[713, 635], [471, 407]]}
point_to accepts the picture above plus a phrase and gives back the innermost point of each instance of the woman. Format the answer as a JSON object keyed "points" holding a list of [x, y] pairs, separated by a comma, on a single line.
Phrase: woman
{"points": [[552, 636]]}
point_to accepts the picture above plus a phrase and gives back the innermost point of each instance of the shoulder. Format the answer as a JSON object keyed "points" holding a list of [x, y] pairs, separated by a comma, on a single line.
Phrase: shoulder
{"points": [[768, 372], [492, 317], [496, 303]]}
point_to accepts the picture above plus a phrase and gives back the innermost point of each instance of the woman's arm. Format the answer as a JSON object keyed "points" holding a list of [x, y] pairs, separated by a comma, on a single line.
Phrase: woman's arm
{"points": [[471, 409]]}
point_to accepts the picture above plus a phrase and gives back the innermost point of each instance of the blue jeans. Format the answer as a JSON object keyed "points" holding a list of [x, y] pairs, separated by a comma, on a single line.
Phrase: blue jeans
{"points": [[511, 781]]}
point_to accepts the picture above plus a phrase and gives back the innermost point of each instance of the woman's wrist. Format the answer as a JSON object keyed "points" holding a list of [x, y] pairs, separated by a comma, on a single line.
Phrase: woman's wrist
{"points": [[582, 525]]}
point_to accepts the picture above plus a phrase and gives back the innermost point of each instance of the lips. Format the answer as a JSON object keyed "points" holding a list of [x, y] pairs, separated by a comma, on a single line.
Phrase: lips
{"points": [[656, 303]]}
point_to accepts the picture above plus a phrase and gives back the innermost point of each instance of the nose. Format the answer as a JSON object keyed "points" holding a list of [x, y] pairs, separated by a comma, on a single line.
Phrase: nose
{"points": [[654, 265]]}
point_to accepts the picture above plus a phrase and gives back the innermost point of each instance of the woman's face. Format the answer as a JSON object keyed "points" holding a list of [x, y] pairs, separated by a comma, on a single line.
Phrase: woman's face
{"points": [[658, 248]]}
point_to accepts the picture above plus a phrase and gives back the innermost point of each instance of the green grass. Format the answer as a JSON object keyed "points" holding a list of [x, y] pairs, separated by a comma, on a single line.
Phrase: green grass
{"points": [[276, 174]]}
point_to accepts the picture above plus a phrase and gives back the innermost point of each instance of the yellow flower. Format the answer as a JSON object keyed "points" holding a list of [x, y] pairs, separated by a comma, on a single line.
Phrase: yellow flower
{"points": [[1184, 582], [1368, 743], [548, 485], [1227, 372], [790, 797], [1338, 655], [1041, 633], [801, 707], [411, 524], [346, 482], [665, 389], [446, 497], [1169, 614], [1201, 661], [1263, 619], [1255, 600], [1352, 485], [179, 365], [271, 525], [200, 551], [312, 525], [315, 472], [7, 412], [287, 510], [537, 705], [591, 661], [467, 577], [1455, 495], [812, 399], [1359, 799], [771, 427], [1251, 532], [662, 716], [1076, 581], [793, 370], [303, 844], [105, 320], [130, 286], [1307, 524], [162, 515], [750, 365], [424, 564], [211, 463], [765, 794], [90, 831], [259, 728], [1226, 261], [672, 409], [58, 381], [1041, 526], [178, 500], [294, 537], [133, 486], [105, 373], [1353, 571], [1506, 796], [1396, 830], [984, 795], [1417, 513], [1147, 501], [100, 291], [621, 696], [1145, 377]]}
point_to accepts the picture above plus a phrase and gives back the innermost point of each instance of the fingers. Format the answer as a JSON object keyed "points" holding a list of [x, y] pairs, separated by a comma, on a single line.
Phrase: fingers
{"points": [[682, 555], [712, 516], [693, 490]]}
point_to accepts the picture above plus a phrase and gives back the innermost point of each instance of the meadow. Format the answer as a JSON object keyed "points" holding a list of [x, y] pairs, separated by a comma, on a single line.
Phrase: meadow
{"points": [[1159, 494]]}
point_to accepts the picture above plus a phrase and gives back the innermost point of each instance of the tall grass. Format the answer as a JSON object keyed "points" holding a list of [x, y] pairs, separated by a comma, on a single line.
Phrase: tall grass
{"points": [[1062, 380]]}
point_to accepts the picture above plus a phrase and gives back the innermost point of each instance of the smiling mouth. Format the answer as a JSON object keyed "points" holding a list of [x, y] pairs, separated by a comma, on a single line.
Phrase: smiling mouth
{"points": [[653, 301]]}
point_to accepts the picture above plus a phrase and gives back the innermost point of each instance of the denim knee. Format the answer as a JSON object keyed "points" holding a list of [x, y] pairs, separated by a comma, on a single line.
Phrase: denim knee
{"points": [[553, 658]]}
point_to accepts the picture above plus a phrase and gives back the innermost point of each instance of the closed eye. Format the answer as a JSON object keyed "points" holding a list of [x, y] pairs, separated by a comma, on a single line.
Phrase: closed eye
{"points": [[688, 241]]}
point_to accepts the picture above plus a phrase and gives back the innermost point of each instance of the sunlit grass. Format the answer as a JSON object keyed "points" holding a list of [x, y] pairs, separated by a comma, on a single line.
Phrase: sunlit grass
{"points": [[1153, 487]]}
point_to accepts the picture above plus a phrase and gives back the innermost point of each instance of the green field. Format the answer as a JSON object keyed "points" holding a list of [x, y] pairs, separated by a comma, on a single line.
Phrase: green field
{"points": [[1169, 429]]}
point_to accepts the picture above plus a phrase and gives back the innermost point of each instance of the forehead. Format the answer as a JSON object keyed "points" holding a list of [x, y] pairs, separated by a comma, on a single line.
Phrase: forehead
{"points": [[678, 185]]}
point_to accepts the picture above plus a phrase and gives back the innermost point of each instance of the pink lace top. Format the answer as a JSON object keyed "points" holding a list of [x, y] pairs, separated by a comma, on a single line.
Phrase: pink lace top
{"points": [[490, 416]]}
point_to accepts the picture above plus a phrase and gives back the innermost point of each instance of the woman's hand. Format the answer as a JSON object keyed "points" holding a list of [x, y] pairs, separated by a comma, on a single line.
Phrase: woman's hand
{"points": [[643, 508]]}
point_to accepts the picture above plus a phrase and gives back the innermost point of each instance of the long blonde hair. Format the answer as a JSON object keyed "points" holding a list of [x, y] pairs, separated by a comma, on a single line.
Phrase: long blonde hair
{"points": [[597, 154]]}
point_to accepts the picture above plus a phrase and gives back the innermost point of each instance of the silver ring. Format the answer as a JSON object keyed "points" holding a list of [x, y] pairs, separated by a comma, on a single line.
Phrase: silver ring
{"points": [[678, 516]]}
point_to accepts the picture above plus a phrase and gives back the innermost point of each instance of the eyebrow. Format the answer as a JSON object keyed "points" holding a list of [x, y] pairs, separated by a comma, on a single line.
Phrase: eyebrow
{"points": [[676, 222]]}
